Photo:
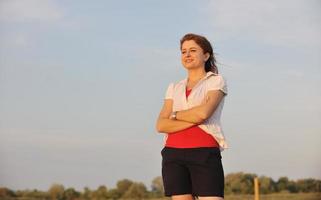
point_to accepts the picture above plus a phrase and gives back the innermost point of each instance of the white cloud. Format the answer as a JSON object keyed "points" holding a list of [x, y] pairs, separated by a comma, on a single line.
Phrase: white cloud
{"points": [[289, 23], [29, 11]]}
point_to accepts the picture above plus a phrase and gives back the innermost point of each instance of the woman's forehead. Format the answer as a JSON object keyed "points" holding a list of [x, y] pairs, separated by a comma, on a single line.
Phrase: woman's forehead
{"points": [[190, 44]]}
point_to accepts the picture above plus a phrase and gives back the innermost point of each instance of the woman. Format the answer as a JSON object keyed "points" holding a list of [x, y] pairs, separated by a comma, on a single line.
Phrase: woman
{"points": [[190, 117]]}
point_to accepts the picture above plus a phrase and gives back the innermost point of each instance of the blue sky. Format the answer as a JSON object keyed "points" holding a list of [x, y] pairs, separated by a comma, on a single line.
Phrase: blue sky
{"points": [[81, 86]]}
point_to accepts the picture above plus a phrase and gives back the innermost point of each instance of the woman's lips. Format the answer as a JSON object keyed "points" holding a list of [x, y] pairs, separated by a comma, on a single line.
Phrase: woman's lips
{"points": [[188, 60]]}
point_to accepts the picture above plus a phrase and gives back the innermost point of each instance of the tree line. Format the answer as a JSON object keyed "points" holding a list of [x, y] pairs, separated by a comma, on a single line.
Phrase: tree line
{"points": [[235, 183]]}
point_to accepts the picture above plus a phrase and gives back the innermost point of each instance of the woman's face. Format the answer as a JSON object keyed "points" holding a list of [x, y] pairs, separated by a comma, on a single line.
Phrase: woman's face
{"points": [[192, 55]]}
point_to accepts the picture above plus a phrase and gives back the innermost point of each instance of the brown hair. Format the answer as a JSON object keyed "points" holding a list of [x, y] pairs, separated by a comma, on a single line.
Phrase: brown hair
{"points": [[210, 64]]}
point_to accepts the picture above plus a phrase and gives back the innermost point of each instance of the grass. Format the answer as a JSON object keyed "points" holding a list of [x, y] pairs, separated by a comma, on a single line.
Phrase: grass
{"points": [[275, 196], [278, 196]]}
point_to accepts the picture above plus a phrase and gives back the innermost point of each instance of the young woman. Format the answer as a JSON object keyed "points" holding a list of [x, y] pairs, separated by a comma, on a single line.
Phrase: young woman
{"points": [[190, 117]]}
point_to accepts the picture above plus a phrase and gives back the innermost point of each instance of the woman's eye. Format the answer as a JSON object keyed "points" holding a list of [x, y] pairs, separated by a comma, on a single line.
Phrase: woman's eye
{"points": [[183, 52]]}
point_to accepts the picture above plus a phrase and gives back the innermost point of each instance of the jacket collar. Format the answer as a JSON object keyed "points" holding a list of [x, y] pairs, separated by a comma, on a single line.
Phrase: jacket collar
{"points": [[208, 74]]}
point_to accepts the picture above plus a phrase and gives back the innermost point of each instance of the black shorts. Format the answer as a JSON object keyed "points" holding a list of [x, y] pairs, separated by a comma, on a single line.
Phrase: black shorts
{"points": [[195, 171]]}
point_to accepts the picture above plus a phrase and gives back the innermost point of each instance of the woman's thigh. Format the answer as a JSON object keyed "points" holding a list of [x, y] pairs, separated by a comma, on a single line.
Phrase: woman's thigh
{"points": [[210, 198], [183, 197]]}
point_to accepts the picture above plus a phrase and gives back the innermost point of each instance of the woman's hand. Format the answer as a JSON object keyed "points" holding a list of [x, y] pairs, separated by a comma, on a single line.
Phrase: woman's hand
{"points": [[165, 124]]}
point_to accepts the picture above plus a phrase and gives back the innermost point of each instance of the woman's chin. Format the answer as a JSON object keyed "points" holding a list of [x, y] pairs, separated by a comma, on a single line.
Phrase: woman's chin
{"points": [[190, 67]]}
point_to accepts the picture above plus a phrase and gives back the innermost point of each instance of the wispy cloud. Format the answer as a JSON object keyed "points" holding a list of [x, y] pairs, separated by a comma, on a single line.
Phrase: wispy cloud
{"points": [[29, 11], [289, 23]]}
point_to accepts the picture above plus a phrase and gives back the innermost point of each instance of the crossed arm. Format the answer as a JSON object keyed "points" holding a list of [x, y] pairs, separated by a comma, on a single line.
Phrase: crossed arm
{"points": [[190, 117]]}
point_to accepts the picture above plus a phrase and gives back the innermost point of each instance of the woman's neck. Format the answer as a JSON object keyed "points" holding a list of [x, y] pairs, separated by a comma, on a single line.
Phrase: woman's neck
{"points": [[196, 75]]}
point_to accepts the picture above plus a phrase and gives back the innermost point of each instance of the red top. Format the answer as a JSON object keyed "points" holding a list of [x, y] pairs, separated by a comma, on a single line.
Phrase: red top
{"points": [[191, 137]]}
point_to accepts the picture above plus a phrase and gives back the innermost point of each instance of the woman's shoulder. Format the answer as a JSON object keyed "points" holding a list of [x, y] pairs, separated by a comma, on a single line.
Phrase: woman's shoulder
{"points": [[217, 82], [173, 87], [217, 77]]}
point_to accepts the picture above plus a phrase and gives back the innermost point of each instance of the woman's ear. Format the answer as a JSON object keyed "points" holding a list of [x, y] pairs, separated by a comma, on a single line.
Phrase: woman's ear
{"points": [[207, 56]]}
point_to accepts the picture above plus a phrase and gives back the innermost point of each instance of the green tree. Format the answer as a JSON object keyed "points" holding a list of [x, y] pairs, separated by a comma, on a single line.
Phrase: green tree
{"points": [[101, 193], [113, 194], [36, 194], [282, 184], [157, 187], [233, 183], [136, 191], [267, 185], [86, 195], [123, 185], [239, 183], [308, 185], [70, 194], [292, 187], [6, 192], [56, 191], [247, 183]]}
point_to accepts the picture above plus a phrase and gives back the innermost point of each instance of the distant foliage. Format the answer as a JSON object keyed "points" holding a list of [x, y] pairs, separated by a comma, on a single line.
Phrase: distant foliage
{"points": [[242, 183], [5, 192], [235, 183], [239, 183], [56, 192], [157, 187], [136, 191], [267, 185], [71, 193], [123, 186]]}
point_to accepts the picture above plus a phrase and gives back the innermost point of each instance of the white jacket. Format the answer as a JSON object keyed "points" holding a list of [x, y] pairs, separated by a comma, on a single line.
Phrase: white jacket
{"points": [[211, 81]]}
